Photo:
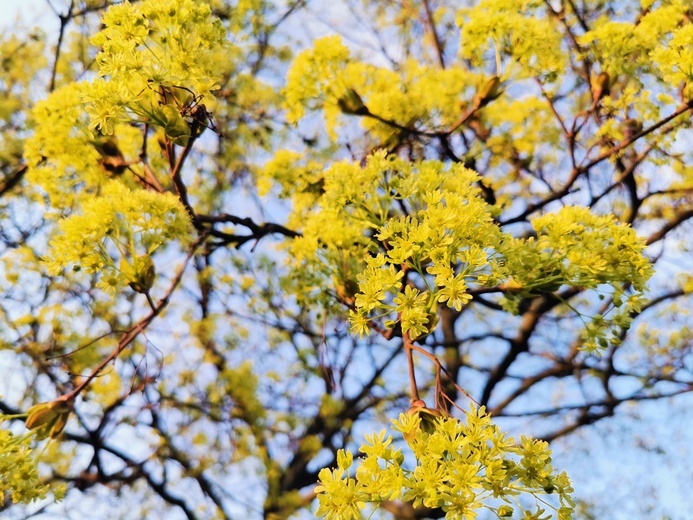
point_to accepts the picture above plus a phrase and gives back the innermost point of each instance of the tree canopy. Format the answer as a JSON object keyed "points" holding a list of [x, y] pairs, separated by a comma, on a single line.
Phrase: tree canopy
{"points": [[354, 260]]}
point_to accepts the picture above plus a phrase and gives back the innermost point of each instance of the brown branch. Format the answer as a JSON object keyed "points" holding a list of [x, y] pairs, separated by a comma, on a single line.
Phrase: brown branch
{"points": [[441, 369], [627, 172], [466, 116], [264, 39], [64, 21], [206, 485], [557, 195], [406, 511], [408, 347], [627, 142], [157, 485], [453, 360], [652, 302], [561, 369], [176, 171], [240, 240], [258, 230], [688, 387], [588, 416], [582, 169], [581, 20], [434, 35], [530, 319], [549, 100], [134, 331], [149, 179], [13, 180], [561, 17], [671, 224]]}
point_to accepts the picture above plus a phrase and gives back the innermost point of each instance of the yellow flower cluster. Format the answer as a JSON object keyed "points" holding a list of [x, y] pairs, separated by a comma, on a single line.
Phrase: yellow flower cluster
{"points": [[461, 467], [160, 52], [327, 78], [515, 28], [20, 479], [398, 238], [612, 40], [119, 223]]}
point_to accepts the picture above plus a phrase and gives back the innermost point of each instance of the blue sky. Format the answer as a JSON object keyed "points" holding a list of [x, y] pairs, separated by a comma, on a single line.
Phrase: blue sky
{"points": [[27, 9]]}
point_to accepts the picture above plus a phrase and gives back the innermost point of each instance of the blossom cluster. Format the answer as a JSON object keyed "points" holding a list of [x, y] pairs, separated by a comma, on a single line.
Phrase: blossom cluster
{"points": [[161, 53], [461, 467], [405, 237], [135, 223], [20, 480]]}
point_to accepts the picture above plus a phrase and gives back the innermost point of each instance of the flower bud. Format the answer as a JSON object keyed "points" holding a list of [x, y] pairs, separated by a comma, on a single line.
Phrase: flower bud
{"points": [[427, 416], [49, 419], [600, 86], [490, 91], [141, 275], [175, 126], [352, 104]]}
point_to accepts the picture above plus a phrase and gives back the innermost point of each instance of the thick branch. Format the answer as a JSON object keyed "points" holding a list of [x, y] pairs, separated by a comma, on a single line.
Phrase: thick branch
{"points": [[539, 306]]}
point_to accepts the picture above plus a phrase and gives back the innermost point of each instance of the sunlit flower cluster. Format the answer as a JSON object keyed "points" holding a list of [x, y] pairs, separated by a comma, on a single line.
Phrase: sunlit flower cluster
{"points": [[135, 223], [20, 481], [409, 236], [154, 54], [461, 467]]}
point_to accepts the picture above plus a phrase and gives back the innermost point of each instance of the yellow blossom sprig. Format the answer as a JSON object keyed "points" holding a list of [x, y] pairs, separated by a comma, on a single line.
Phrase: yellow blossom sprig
{"points": [[60, 154], [461, 467], [420, 234], [449, 223], [135, 223], [155, 48], [658, 40], [419, 99], [19, 469], [576, 248], [21, 481], [515, 29], [675, 60]]}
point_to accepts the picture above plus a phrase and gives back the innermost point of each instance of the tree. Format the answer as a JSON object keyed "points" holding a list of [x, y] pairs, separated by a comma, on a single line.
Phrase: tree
{"points": [[218, 283]]}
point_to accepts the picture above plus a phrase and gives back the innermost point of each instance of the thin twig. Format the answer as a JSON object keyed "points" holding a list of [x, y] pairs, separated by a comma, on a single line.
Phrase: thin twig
{"points": [[408, 347], [434, 35], [64, 21], [136, 329]]}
